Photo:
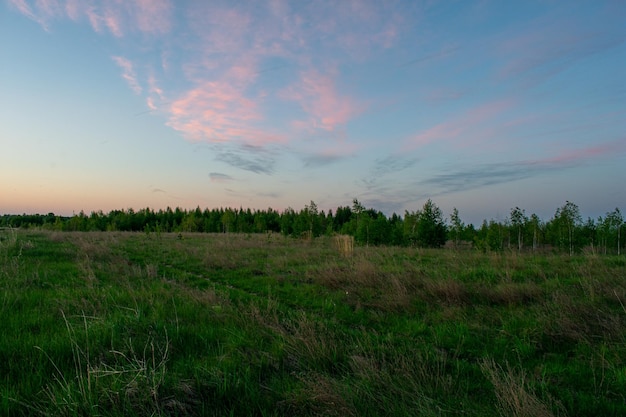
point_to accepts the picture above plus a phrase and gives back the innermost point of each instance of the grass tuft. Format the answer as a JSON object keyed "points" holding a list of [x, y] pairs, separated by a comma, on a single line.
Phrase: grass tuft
{"points": [[515, 397]]}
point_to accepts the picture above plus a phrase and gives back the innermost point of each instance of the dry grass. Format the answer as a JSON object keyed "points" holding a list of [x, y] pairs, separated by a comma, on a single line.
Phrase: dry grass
{"points": [[409, 380], [508, 293], [514, 395], [311, 344], [129, 376], [344, 244], [449, 291], [375, 379], [569, 321], [320, 395]]}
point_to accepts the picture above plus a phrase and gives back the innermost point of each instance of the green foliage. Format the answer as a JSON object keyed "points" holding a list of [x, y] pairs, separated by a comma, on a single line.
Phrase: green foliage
{"points": [[610, 231], [456, 227], [565, 226], [518, 224], [426, 227]]}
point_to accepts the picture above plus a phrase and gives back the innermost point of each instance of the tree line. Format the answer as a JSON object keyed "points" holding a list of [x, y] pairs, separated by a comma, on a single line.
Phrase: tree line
{"points": [[566, 231]]}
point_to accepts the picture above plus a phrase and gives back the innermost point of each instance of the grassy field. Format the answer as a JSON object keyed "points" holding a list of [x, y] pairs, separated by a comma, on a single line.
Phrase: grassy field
{"points": [[130, 324]]}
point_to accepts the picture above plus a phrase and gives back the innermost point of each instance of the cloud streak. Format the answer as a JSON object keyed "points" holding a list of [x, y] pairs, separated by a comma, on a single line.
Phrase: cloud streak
{"points": [[504, 172], [320, 160], [23, 7], [128, 73], [249, 158], [390, 194], [475, 124], [385, 172], [443, 53], [544, 50], [219, 177], [117, 18]]}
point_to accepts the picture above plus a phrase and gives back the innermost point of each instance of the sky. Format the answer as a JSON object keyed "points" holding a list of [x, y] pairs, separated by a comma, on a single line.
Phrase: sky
{"points": [[479, 105]]}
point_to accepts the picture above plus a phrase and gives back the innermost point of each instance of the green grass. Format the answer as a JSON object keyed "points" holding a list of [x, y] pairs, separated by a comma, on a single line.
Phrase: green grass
{"points": [[130, 324]]}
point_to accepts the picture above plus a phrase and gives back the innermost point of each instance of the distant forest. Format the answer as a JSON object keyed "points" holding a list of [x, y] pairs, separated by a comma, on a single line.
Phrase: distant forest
{"points": [[566, 231]]}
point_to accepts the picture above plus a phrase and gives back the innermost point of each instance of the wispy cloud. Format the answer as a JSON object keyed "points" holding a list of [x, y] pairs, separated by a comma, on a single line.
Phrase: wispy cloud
{"points": [[23, 7], [572, 156], [318, 97], [249, 158], [382, 174], [388, 187], [327, 149], [482, 175], [320, 160], [128, 73], [219, 177], [147, 16], [394, 194], [152, 16], [442, 53], [475, 124], [227, 100], [393, 164], [289, 32], [219, 112], [544, 49], [504, 172], [222, 49], [270, 194]]}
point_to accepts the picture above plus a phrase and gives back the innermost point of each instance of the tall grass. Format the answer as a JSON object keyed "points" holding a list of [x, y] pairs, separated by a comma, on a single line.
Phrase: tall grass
{"points": [[115, 324], [514, 396]]}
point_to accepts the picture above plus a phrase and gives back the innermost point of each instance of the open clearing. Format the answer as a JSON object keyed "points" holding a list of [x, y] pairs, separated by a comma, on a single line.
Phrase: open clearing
{"points": [[135, 324]]}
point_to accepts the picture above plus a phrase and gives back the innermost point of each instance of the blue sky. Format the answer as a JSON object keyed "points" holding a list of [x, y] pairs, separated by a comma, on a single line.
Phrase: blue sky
{"points": [[479, 105]]}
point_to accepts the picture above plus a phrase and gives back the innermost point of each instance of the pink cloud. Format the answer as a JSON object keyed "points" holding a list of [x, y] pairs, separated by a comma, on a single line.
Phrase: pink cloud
{"points": [[95, 20], [474, 125], [356, 28], [440, 132], [148, 16], [153, 16], [48, 8], [222, 30], [150, 103], [128, 73], [341, 30], [42, 12], [576, 155], [155, 92], [23, 8], [317, 96], [223, 51], [543, 49], [72, 9], [219, 112], [113, 22], [232, 45]]}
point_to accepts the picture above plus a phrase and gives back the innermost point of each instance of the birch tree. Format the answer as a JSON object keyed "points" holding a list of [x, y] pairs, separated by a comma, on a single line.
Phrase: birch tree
{"points": [[518, 221]]}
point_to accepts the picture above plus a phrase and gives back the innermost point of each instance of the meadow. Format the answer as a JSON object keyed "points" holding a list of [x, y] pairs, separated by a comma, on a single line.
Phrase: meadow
{"points": [[170, 324]]}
